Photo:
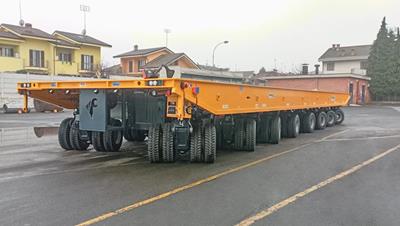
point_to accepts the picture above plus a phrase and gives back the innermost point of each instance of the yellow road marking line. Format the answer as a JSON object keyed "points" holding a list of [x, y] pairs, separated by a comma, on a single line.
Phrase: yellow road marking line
{"points": [[362, 138], [191, 185], [266, 212], [335, 134]]}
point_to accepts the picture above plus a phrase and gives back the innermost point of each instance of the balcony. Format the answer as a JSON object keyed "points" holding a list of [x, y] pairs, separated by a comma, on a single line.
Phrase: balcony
{"points": [[66, 68], [36, 68], [357, 71], [10, 63]]}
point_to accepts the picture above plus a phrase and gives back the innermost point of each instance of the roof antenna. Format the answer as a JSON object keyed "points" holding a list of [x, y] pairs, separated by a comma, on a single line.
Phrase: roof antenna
{"points": [[21, 21], [84, 9]]}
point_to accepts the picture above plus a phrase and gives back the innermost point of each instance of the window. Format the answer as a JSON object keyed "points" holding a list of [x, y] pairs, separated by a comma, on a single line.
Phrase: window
{"points": [[130, 65], [36, 58], [7, 51], [141, 63], [87, 62], [364, 65], [65, 57], [330, 66]]}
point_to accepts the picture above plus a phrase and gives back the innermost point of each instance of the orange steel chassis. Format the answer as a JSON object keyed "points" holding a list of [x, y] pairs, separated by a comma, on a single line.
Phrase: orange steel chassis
{"points": [[215, 97]]}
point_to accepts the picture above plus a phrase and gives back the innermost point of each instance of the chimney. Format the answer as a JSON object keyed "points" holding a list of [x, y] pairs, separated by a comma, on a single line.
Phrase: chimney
{"points": [[317, 69], [305, 69], [135, 47], [333, 46], [28, 25]]}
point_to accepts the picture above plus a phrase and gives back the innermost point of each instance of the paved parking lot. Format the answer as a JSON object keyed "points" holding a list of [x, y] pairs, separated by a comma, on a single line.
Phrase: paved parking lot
{"points": [[344, 175]]}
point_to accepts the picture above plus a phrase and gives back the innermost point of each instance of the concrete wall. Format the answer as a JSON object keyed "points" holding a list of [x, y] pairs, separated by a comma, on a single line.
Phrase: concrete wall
{"points": [[340, 85]]}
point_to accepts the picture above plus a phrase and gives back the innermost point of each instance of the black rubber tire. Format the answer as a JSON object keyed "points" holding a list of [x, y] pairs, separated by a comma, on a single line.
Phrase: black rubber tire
{"points": [[128, 134], [275, 130], [293, 125], [308, 122], [139, 135], [339, 116], [113, 139], [97, 141], [321, 120], [220, 135], [330, 118], [250, 135], [75, 139], [210, 143], [263, 130], [63, 134], [196, 150], [153, 146], [168, 152], [284, 125], [238, 143]]}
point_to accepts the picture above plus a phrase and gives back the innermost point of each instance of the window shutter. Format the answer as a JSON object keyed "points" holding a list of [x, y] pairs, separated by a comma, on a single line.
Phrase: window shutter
{"points": [[91, 63], [30, 57], [42, 58], [12, 52], [82, 62]]}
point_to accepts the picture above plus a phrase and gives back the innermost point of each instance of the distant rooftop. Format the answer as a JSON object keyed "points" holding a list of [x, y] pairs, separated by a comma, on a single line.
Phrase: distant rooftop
{"points": [[166, 59], [27, 30], [9, 35], [142, 52], [82, 39], [338, 53]]}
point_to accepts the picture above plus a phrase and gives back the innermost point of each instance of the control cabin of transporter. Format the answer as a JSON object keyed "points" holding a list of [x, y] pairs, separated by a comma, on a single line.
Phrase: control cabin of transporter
{"points": [[183, 118]]}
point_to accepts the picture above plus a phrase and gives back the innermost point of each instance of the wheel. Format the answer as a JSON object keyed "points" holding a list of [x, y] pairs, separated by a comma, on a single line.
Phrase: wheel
{"points": [[64, 132], [97, 141], [308, 122], [210, 143], [275, 130], [250, 135], [128, 134], [339, 116], [168, 153], [330, 118], [75, 140], [153, 146], [263, 130], [238, 143], [293, 126], [112, 139], [139, 135], [284, 125], [195, 145], [321, 120]]}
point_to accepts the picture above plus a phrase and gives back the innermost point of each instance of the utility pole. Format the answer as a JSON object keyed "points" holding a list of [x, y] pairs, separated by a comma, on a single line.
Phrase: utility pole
{"points": [[84, 9], [166, 31], [21, 21]]}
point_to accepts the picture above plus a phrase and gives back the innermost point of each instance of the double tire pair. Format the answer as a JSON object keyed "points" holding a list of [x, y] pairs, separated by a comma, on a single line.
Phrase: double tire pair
{"points": [[160, 145], [245, 135], [70, 137], [203, 144]]}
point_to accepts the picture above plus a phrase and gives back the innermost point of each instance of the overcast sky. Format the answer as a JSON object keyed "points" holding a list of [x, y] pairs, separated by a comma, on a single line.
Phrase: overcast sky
{"points": [[288, 32]]}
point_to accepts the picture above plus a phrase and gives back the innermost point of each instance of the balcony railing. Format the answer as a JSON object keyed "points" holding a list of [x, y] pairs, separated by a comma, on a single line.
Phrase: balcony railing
{"points": [[43, 66]]}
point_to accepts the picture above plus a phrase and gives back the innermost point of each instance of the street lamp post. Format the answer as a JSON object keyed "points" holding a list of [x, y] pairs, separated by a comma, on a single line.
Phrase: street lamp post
{"points": [[213, 55]]}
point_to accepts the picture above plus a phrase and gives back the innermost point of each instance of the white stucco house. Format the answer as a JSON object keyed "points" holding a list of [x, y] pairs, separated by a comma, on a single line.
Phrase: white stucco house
{"points": [[348, 59]]}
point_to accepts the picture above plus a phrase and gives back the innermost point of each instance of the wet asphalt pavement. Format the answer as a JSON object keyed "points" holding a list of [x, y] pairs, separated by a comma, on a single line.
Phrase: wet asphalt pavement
{"points": [[41, 184]]}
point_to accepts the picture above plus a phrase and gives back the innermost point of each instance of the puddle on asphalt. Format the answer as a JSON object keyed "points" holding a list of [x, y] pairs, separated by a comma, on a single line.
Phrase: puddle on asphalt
{"points": [[26, 135]]}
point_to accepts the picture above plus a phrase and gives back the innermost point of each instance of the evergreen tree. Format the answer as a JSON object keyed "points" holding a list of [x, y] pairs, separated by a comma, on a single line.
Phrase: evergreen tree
{"points": [[262, 71], [379, 58]]}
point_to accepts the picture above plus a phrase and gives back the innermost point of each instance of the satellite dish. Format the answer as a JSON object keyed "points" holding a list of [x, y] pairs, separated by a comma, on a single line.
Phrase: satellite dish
{"points": [[21, 22]]}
